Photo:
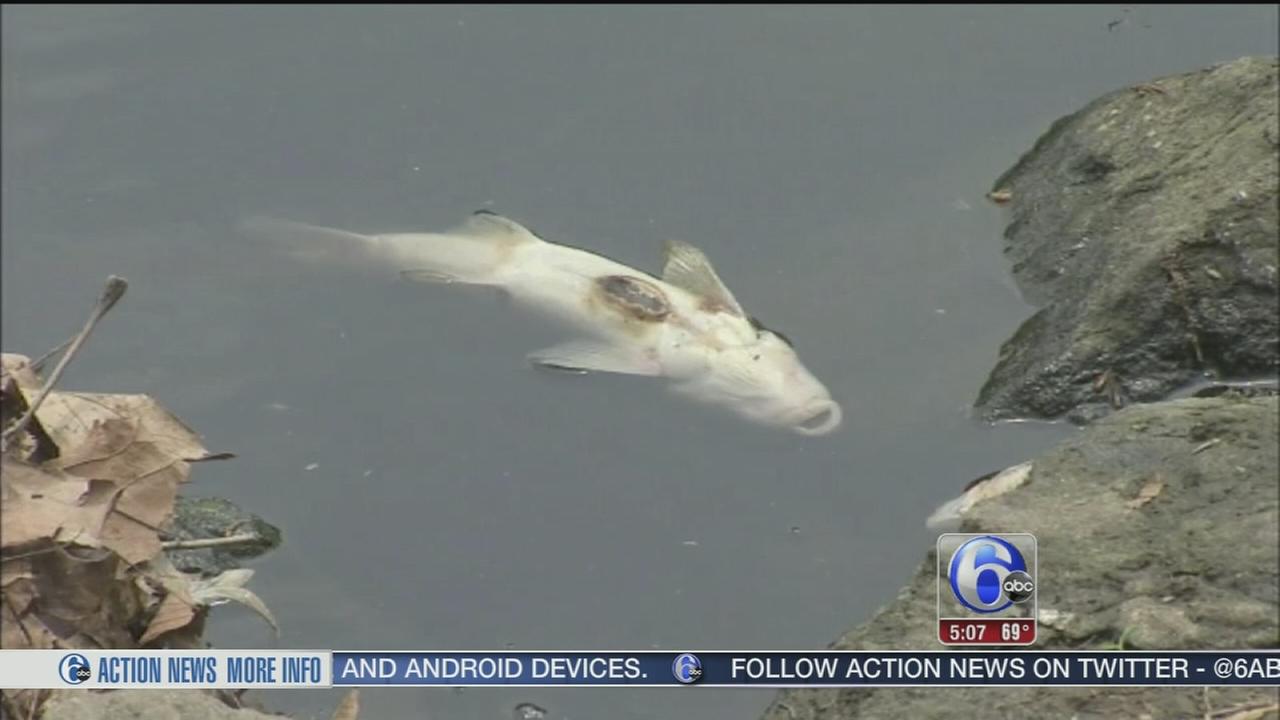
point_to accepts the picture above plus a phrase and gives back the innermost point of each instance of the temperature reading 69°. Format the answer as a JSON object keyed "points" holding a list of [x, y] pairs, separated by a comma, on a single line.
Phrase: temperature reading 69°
{"points": [[1012, 632]]}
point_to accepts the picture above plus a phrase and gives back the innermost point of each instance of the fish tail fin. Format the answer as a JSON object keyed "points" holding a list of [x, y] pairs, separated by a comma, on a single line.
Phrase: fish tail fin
{"points": [[478, 251], [312, 242], [949, 513]]}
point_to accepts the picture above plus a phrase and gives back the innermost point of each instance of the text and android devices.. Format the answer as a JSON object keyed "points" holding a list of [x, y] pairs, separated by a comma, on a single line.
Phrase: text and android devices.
{"points": [[987, 587]]}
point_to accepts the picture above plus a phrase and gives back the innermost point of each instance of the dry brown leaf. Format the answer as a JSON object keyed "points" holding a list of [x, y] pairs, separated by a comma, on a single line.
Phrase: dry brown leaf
{"points": [[174, 613], [83, 565], [139, 483], [1000, 197], [187, 595], [42, 503], [160, 571], [31, 445], [46, 504], [80, 599], [183, 613], [135, 453], [229, 587], [349, 708], [18, 585], [14, 570], [1150, 491], [19, 596], [72, 600], [68, 417], [24, 631], [19, 368]]}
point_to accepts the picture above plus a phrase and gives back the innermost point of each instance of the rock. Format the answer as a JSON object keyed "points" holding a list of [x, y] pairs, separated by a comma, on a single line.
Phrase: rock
{"points": [[201, 518], [1146, 228], [1157, 529], [1156, 625], [151, 704], [1253, 389]]}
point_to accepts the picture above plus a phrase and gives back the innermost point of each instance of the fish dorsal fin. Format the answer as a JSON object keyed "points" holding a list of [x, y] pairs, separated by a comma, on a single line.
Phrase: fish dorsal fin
{"points": [[687, 267], [487, 225]]}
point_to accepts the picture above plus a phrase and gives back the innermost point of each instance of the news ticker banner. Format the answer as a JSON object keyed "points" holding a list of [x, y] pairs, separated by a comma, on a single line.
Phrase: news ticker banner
{"points": [[324, 668]]}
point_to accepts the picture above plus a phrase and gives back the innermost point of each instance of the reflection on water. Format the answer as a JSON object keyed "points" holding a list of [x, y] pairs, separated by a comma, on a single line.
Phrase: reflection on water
{"points": [[433, 490]]}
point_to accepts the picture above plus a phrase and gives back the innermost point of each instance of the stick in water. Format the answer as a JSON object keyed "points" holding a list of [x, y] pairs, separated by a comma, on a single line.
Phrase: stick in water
{"points": [[241, 539], [111, 294]]}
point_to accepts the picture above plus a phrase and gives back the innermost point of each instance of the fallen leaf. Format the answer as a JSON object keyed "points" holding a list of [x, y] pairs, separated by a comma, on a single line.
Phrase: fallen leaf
{"points": [[174, 613], [32, 445], [19, 368], [17, 586], [85, 490], [349, 708], [1000, 197], [178, 619], [229, 587], [72, 599], [1151, 489], [143, 478], [68, 417], [46, 504]]}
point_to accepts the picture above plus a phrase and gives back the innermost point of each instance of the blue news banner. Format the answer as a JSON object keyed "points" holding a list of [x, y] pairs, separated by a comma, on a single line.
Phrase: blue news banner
{"points": [[854, 668], [103, 669]]}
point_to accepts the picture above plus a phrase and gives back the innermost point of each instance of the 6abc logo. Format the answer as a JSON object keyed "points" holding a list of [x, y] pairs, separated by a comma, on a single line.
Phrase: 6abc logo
{"points": [[74, 669], [687, 668], [988, 574]]}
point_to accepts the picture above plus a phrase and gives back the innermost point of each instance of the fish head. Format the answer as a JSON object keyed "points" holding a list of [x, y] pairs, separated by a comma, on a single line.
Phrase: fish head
{"points": [[764, 381]]}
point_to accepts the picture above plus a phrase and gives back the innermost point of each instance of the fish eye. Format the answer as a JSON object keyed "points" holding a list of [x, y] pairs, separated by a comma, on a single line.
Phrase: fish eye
{"points": [[762, 328]]}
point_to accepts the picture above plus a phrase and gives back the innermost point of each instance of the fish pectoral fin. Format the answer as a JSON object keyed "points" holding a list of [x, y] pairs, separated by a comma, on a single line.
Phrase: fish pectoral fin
{"points": [[436, 276], [429, 276], [688, 267], [587, 356]]}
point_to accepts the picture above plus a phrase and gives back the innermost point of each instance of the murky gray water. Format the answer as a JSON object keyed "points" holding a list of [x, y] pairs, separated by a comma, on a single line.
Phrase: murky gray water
{"points": [[831, 161]]}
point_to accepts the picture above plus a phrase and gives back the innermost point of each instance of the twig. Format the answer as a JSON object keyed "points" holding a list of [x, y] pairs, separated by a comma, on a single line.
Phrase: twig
{"points": [[40, 361], [111, 294], [242, 538], [35, 703], [1206, 445]]}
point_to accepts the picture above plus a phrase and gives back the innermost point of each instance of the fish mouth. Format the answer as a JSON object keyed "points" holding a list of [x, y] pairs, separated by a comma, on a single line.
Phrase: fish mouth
{"points": [[826, 419]]}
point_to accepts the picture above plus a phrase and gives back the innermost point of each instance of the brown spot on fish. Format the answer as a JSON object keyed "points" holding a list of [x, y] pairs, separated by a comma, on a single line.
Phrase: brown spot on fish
{"points": [[634, 297]]}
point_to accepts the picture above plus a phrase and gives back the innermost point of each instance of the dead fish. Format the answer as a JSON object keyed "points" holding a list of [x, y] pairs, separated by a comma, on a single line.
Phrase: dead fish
{"points": [[980, 490], [686, 326]]}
